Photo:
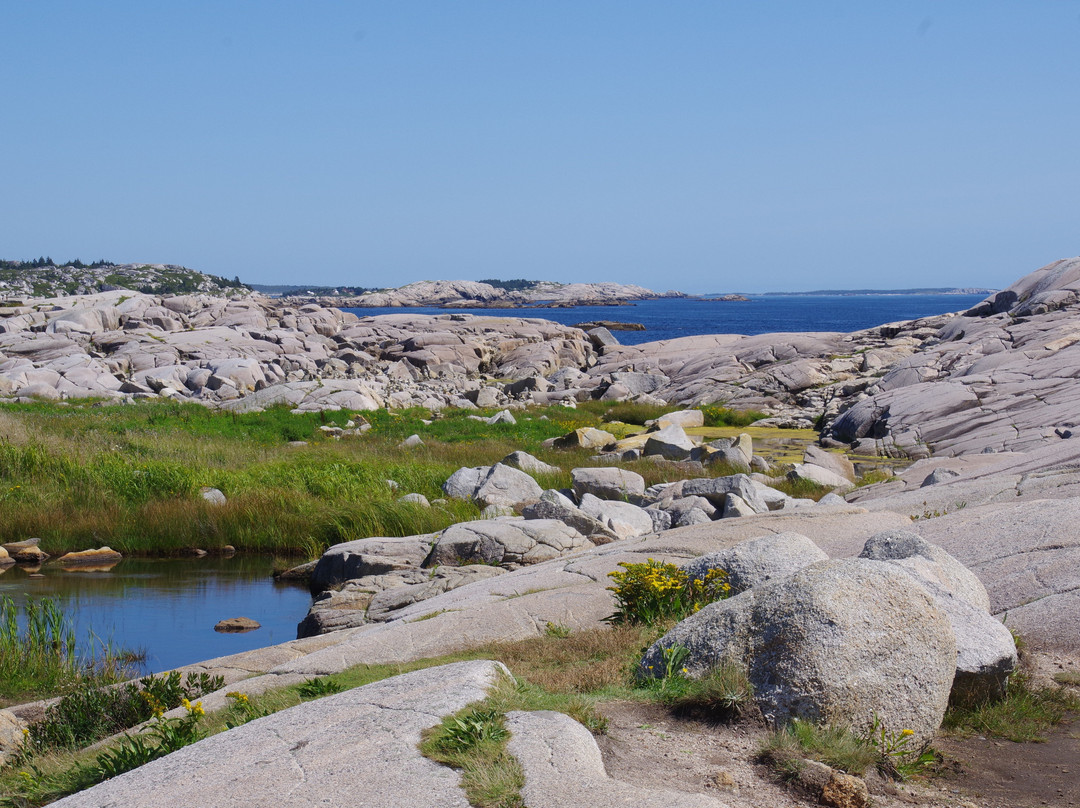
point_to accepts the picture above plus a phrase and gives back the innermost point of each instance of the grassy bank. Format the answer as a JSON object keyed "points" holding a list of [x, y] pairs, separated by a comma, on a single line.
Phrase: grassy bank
{"points": [[83, 475]]}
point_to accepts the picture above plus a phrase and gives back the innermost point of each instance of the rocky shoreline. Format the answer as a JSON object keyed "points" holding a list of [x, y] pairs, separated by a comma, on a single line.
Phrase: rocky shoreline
{"points": [[975, 534]]}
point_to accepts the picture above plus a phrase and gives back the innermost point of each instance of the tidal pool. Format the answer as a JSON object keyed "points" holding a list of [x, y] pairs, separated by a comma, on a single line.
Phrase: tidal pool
{"points": [[167, 608]]}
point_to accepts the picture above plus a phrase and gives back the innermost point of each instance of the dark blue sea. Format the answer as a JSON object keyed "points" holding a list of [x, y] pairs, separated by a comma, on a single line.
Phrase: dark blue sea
{"points": [[763, 314]]}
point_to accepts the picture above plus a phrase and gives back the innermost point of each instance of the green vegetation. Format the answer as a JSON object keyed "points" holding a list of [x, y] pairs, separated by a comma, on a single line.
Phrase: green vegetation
{"points": [[1026, 713], [719, 415], [82, 475], [657, 592], [91, 712], [835, 746], [40, 659], [515, 285]]}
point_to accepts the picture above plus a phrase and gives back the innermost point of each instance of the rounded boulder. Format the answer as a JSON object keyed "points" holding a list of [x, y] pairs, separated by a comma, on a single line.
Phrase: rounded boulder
{"points": [[844, 641]]}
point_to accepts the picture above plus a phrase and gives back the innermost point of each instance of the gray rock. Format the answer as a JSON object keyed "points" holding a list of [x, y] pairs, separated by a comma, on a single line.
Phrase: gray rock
{"points": [[296, 757], [836, 463], [506, 541], [681, 508], [11, 735], [384, 605], [622, 518], [670, 443], [462, 484], [729, 456], [608, 483], [372, 556], [492, 485], [601, 338], [507, 486], [553, 505], [940, 476], [716, 489], [682, 418], [563, 766], [526, 462], [585, 438], [661, 520], [212, 495], [845, 640], [928, 563], [752, 563], [415, 499], [820, 476], [839, 641], [831, 499], [735, 506], [411, 442], [502, 417], [986, 651]]}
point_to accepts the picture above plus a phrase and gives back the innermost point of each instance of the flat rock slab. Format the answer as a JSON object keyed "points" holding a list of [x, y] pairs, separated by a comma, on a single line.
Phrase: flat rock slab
{"points": [[1028, 556], [564, 768], [356, 748]]}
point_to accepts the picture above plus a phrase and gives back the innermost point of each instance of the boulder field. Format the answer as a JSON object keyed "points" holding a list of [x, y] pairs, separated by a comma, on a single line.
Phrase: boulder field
{"points": [[882, 601]]}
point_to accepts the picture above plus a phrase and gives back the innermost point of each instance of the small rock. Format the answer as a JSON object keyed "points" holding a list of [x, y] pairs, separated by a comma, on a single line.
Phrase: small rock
{"points": [[103, 555], [212, 495], [30, 555], [411, 442], [416, 499], [939, 476], [237, 625]]}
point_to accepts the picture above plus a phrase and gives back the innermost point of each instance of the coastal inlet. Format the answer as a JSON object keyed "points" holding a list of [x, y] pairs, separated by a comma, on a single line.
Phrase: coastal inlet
{"points": [[167, 608]]}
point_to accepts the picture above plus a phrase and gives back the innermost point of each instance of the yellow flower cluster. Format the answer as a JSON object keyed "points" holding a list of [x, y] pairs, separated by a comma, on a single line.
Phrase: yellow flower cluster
{"points": [[241, 698], [654, 591], [195, 709]]}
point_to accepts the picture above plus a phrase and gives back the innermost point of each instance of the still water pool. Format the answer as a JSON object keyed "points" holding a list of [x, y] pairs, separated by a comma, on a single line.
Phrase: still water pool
{"points": [[167, 608]]}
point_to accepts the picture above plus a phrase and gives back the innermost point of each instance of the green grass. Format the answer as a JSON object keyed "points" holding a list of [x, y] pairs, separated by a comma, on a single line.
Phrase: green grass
{"points": [[39, 658], [835, 746], [85, 474], [719, 415], [1026, 713]]}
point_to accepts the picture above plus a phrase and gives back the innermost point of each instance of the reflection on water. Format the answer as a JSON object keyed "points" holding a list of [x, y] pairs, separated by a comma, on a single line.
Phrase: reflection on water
{"points": [[168, 607]]}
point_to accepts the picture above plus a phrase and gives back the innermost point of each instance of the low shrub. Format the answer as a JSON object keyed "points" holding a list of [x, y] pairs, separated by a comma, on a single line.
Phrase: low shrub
{"points": [[93, 712], [657, 591]]}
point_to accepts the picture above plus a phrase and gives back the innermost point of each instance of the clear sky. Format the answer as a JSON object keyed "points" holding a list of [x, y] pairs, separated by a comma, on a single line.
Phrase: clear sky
{"points": [[702, 146]]}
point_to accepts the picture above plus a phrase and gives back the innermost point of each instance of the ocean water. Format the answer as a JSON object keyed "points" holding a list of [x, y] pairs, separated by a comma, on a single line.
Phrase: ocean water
{"points": [[668, 318]]}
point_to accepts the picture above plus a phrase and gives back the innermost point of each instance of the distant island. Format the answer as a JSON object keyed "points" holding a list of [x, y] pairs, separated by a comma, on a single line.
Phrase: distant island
{"points": [[965, 290]]}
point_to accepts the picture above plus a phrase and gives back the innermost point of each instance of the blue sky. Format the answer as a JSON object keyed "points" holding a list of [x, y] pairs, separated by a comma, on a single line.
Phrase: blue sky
{"points": [[701, 146]]}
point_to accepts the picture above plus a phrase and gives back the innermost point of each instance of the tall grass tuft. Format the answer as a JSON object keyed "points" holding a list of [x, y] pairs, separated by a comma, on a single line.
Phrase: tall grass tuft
{"points": [[40, 656], [41, 659]]}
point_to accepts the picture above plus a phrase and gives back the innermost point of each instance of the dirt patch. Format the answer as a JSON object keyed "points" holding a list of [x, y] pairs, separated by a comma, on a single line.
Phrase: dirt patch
{"points": [[996, 773], [649, 746]]}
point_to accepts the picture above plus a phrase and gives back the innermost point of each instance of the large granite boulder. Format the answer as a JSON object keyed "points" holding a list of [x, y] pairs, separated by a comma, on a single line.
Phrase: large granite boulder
{"points": [[838, 642]]}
